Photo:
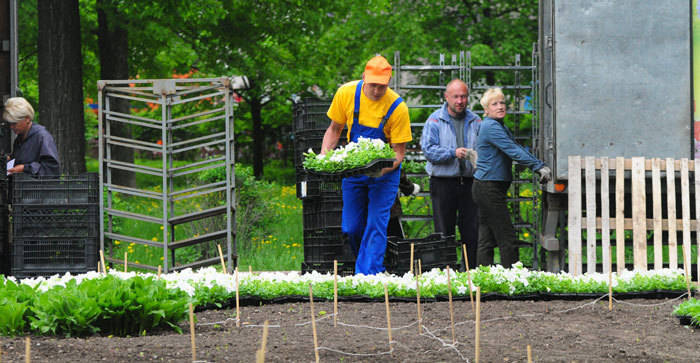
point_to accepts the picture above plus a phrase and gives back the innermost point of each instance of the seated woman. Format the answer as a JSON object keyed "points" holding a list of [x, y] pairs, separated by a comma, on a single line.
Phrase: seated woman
{"points": [[34, 151], [496, 149]]}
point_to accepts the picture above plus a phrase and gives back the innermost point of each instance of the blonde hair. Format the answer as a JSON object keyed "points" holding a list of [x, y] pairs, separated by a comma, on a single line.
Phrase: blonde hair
{"points": [[17, 109], [489, 95]]}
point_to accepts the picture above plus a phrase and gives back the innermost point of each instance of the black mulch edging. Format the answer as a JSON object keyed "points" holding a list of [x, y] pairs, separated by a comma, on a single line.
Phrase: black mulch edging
{"points": [[256, 301]]}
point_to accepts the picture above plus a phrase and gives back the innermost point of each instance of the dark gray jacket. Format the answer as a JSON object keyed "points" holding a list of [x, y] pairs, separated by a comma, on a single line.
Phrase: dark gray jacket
{"points": [[37, 152]]}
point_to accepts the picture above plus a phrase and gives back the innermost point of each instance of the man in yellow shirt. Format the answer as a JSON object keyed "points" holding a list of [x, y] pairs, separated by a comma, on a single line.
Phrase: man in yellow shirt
{"points": [[370, 109]]}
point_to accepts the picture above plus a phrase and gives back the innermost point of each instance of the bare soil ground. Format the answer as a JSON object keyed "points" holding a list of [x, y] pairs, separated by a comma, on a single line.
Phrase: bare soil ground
{"points": [[638, 330]]}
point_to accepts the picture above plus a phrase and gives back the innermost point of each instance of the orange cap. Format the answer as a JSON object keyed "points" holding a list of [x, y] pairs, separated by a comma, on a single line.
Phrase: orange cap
{"points": [[377, 70]]}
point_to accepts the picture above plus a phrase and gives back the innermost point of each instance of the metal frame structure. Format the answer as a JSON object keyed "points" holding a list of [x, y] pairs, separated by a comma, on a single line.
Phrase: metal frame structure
{"points": [[182, 105], [474, 76]]}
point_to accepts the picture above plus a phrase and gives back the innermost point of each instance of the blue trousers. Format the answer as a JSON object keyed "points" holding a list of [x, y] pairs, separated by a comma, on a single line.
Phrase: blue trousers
{"points": [[366, 209]]}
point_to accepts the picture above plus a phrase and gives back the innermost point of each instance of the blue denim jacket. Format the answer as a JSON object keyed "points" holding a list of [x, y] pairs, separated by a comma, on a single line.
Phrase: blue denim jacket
{"points": [[439, 142], [497, 149]]}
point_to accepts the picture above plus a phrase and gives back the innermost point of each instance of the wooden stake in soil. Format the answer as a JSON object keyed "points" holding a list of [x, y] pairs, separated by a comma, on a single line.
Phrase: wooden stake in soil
{"points": [[126, 261], [221, 257], [250, 269], [102, 259], [469, 275], [313, 322], [260, 356], [420, 269], [335, 293], [477, 326], [238, 306], [27, 350], [529, 354], [194, 345], [411, 260], [388, 313], [159, 269], [420, 330], [452, 311]]}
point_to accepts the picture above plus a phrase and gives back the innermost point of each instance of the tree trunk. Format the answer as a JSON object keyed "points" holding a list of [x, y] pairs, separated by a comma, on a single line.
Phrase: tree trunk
{"points": [[113, 43], [61, 80], [258, 137]]}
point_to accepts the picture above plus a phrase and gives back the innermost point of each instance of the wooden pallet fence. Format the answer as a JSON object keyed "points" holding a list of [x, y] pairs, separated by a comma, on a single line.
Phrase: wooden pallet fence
{"points": [[639, 224]]}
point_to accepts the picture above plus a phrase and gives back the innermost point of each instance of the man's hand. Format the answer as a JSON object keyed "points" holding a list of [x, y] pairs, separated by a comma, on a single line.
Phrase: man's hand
{"points": [[461, 152], [545, 174], [16, 169]]}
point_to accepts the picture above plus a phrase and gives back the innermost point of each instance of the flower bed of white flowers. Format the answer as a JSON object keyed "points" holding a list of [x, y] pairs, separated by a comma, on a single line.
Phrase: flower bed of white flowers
{"points": [[207, 285], [351, 156]]}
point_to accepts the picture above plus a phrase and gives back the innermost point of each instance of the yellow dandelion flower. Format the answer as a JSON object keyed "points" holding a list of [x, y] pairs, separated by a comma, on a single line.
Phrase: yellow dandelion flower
{"points": [[154, 239], [161, 258], [162, 228], [117, 242]]}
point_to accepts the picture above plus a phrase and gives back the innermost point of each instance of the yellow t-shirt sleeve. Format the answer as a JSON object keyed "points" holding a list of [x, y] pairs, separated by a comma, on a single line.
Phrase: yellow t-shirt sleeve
{"points": [[398, 127], [338, 110]]}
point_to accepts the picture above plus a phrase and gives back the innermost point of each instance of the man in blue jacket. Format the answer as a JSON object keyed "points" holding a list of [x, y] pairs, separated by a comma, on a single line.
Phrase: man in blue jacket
{"points": [[448, 143]]}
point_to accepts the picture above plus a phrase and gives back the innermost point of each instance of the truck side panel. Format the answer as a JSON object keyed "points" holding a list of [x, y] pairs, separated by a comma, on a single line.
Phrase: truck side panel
{"points": [[620, 80]]}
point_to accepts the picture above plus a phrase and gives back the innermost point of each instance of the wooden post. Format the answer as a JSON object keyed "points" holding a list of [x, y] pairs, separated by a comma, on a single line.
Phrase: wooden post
{"points": [[610, 292], [686, 270], [159, 269], [411, 258], [420, 330], [469, 276], [685, 210], [388, 314], [605, 213], [260, 356], [250, 269], [671, 212], [590, 214], [620, 213], [477, 328], [313, 322], [529, 354], [192, 341], [656, 198], [420, 269], [221, 257], [335, 293], [238, 306], [126, 262], [639, 214], [449, 299], [697, 211], [574, 219]]}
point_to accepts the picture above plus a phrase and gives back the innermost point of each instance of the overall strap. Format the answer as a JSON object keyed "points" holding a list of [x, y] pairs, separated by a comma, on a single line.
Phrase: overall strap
{"points": [[391, 110], [356, 110]]}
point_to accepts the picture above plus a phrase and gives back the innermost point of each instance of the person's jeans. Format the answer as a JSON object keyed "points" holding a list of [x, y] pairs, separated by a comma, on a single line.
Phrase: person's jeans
{"points": [[495, 226], [453, 205]]}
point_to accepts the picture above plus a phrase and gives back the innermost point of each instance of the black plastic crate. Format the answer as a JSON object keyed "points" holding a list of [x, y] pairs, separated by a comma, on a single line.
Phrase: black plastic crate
{"points": [[326, 245], [47, 256], [311, 115], [435, 250], [323, 213], [311, 186], [345, 268], [61, 190], [38, 221], [310, 139]]}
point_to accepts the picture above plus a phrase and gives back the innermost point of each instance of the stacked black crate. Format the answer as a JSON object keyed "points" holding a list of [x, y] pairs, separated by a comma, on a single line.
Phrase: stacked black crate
{"points": [[55, 225], [322, 199]]}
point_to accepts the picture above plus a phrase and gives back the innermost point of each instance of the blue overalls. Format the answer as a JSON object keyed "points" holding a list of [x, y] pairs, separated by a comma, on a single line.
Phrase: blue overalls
{"points": [[367, 201]]}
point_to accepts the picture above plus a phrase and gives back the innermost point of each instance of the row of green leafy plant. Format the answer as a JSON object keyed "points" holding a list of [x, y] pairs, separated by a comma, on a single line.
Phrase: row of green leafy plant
{"points": [[689, 309], [125, 304]]}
